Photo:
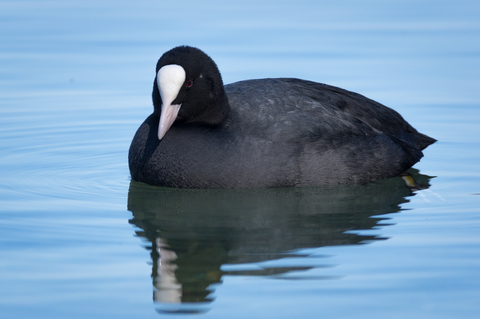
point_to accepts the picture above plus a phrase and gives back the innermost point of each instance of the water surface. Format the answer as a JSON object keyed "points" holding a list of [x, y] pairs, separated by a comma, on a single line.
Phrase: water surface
{"points": [[78, 239]]}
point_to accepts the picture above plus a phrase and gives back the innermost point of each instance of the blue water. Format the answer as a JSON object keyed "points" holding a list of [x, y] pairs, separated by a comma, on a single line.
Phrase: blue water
{"points": [[78, 239]]}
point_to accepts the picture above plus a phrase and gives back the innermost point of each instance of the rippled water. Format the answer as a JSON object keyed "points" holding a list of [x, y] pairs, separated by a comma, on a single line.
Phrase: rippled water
{"points": [[78, 239]]}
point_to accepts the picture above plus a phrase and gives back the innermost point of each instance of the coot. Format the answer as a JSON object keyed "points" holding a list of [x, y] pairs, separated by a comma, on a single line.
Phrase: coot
{"points": [[279, 132]]}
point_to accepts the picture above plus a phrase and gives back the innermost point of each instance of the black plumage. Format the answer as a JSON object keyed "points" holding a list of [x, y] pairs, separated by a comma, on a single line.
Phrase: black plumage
{"points": [[268, 133]]}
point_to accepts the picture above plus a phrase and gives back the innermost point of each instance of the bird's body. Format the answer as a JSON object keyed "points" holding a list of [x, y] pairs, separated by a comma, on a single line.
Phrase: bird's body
{"points": [[268, 133]]}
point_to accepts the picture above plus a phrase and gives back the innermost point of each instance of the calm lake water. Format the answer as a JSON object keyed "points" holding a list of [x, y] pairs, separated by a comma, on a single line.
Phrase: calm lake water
{"points": [[78, 239]]}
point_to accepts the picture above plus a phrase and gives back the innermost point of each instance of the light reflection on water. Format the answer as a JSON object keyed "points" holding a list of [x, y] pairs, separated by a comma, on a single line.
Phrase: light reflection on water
{"points": [[196, 237]]}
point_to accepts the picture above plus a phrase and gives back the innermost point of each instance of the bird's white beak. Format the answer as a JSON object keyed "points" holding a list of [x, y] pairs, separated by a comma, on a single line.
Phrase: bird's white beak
{"points": [[170, 79]]}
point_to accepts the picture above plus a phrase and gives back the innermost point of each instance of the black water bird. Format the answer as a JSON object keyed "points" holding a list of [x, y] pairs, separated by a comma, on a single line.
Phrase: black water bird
{"points": [[275, 132]]}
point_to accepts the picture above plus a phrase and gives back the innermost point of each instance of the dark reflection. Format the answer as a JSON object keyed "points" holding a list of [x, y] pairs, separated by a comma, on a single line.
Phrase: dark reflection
{"points": [[196, 234]]}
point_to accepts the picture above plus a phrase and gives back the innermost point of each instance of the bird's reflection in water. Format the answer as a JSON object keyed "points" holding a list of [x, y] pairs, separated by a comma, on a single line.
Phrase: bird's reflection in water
{"points": [[198, 236]]}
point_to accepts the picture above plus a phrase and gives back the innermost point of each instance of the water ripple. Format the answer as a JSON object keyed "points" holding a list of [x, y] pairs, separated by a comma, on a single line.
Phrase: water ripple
{"points": [[61, 154]]}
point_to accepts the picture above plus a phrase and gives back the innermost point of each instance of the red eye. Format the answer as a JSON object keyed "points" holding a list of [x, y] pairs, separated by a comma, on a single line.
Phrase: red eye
{"points": [[189, 83]]}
